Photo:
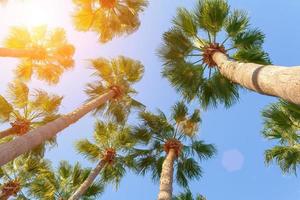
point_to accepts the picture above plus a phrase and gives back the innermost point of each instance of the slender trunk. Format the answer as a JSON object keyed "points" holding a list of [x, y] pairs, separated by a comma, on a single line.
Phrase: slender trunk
{"points": [[16, 53], [283, 82], [166, 177], [88, 181], [7, 132], [27, 142]]}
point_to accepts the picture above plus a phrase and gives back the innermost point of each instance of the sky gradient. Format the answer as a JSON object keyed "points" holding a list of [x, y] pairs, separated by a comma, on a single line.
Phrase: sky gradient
{"points": [[238, 171]]}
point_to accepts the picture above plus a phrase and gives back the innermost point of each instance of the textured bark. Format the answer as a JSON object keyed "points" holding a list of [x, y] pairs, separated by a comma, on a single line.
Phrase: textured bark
{"points": [[29, 141], [166, 177], [7, 132], [283, 82], [88, 181], [16, 53]]}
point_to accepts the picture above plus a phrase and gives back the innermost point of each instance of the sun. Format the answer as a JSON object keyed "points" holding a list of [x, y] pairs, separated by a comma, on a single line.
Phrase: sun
{"points": [[31, 13]]}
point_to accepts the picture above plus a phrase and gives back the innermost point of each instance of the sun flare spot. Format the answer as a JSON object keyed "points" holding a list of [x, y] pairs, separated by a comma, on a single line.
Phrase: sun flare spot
{"points": [[32, 13]]}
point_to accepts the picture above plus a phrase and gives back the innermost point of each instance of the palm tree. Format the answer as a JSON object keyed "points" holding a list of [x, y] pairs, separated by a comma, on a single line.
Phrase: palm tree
{"points": [[18, 175], [114, 84], [282, 123], [44, 52], [60, 184], [110, 150], [188, 196], [108, 18], [211, 68], [25, 112], [177, 139]]}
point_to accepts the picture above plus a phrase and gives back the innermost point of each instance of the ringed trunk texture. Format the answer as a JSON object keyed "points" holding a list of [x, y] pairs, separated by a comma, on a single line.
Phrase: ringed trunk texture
{"points": [[88, 181], [166, 177], [27, 142], [16, 53], [7, 132], [282, 82]]}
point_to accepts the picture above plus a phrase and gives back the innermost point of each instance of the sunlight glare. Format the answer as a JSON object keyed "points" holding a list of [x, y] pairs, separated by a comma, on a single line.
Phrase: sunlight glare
{"points": [[33, 13]]}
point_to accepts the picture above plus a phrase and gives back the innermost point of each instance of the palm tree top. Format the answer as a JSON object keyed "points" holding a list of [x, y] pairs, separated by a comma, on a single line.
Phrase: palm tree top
{"points": [[18, 174], [196, 35], [19, 107], [26, 110], [61, 183], [111, 144], [282, 123], [157, 135], [50, 56], [119, 74], [108, 18]]}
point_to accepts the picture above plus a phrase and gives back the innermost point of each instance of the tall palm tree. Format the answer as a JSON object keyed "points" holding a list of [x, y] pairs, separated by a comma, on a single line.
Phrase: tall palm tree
{"points": [[177, 139], [45, 53], [110, 150], [201, 64], [188, 196], [25, 111], [114, 84], [282, 123], [60, 184], [17, 175], [108, 18]]}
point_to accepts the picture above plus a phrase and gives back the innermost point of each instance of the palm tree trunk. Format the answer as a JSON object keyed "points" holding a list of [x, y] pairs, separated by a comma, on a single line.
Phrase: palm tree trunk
{"points": [[15, 53], [166, 177], [7, 132], [88, 181], [27, 142], [283, 82]]}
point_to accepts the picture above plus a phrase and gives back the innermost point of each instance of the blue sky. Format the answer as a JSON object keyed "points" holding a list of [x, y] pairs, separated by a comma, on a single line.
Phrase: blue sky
{"points": [[238, 170]]}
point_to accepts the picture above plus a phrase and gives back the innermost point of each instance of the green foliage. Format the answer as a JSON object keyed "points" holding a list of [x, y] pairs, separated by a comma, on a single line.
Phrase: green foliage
{"points": [[156, 129], [185, 43], [188, 196], [51, 54], [282, 123], [110, 135], [121, 19], [212, 14], [24, 169], [37, 107], [62, 183], [122, 72]]}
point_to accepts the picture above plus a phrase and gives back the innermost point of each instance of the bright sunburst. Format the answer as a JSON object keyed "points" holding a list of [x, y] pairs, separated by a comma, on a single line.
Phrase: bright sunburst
{"points": [[31, 12]]}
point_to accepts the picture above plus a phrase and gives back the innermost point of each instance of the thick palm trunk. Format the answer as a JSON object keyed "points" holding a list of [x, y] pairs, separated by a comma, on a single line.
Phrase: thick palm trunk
{"points": [[16, 53], [88, 181], [29, 141], [7, 132], [166, 177], [282, 82]]}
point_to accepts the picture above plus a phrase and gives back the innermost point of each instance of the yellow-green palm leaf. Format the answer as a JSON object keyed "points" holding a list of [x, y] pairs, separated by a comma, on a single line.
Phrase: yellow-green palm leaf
{"points": [[108, 18]]}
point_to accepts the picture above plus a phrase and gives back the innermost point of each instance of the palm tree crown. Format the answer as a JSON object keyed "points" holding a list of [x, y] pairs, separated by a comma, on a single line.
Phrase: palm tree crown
{"points": [[119, 74], [108, 18], [60, 184], [282, 123], [25, 113], [51, 54], [18, 175], [111, 144], [160, 135], [195, 36]]}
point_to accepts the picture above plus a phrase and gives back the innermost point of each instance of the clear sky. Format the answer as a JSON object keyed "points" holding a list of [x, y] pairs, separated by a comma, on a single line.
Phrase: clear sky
{"points": [[238, 171]]}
